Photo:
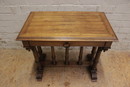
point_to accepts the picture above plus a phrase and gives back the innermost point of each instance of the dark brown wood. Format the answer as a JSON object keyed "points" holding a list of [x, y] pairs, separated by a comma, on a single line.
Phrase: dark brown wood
{"points": [[93, 73], [66, 45], [39, 70], [66, 55], [91, 56], [39, 50], [48, 63], [93, 67], [93, 53], [42, 56], [53, 55], [80, 56], [71, 43], [35, 53], [97, 56]]}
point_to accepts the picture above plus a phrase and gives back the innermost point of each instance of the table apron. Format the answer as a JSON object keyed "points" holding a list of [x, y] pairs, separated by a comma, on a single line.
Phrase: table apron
{"points": [[62, 43]]}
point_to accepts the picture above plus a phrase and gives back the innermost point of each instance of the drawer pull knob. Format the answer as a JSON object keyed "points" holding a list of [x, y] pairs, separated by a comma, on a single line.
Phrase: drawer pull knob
{"points": [[66, 44]]}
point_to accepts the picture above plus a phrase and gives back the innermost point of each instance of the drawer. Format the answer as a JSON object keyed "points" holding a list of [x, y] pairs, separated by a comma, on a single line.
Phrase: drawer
{"points": [[66, 43]]}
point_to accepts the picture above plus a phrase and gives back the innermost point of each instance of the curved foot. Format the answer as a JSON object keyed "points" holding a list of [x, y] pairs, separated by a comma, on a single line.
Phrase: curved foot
{"points": [[39, 77], [39, 71], [93, 74], [39, 74]]}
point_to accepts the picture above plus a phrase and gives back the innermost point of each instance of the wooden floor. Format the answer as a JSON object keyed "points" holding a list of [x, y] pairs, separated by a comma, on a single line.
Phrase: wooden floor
{"points": [[17, 70]]}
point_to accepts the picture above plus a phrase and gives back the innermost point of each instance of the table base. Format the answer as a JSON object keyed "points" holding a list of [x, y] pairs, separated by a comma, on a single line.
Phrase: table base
{"points": [[90, 63]]}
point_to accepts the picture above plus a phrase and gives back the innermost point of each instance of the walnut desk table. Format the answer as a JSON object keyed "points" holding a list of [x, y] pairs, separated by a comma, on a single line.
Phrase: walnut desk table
{"points": [[67, 28]]}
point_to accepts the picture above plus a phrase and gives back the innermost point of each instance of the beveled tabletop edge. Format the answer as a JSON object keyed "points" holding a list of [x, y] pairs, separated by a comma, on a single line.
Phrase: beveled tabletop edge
{"points": [[66, 39], [116, 39], [23, 26]]}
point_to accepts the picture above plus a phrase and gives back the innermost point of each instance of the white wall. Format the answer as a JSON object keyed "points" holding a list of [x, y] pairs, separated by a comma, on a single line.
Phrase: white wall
{"points": [[13, 14]]}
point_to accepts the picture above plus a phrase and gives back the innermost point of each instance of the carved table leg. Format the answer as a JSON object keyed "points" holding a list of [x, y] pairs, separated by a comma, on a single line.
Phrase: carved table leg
{"points": [[93, 67], [91, 56], [41, 54], [39, 72]]}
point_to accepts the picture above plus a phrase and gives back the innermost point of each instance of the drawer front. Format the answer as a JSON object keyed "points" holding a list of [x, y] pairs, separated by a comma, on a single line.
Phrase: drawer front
{"points": [[65, 43]]}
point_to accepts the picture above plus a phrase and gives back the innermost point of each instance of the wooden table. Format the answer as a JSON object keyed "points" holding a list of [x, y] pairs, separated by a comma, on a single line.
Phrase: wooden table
{"points": [[67, 29]]}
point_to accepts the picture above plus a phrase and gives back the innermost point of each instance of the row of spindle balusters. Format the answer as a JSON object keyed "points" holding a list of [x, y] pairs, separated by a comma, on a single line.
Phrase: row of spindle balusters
{"points": [[66, 62]]}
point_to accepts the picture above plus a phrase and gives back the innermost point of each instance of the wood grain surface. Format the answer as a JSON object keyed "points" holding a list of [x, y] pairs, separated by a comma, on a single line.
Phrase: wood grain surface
{"points": [[67, 26]]}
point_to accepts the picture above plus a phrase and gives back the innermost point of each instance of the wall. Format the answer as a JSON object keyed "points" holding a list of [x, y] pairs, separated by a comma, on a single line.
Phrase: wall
{"points": [[13, 14]]}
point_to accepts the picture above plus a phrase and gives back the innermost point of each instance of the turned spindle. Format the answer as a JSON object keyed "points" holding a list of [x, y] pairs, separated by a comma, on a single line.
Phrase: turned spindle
{"points": [[53, 55], [66, 45], [80, 56]]}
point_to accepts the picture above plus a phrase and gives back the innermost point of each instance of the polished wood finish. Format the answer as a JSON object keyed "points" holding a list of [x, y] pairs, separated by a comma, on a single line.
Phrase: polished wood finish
{"points": [[53, 55], [59, 63], [97, 56], [67, 28], [39, 66], [66, 55], [93, 67], [92, 55], [72, 43], [80, 56], [39, 50], [35, 53]]}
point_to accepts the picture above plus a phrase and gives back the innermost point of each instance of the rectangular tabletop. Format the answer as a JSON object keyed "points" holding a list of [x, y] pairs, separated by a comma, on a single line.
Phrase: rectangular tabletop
{"points": [[67, 26]]}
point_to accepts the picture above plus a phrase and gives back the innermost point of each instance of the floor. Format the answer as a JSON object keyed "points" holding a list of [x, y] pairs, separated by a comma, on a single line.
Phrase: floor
{"points": [[17, 70]]}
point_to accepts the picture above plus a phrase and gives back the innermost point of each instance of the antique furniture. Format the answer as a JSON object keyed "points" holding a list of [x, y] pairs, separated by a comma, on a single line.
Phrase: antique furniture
{"points": [[67, 28]]}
